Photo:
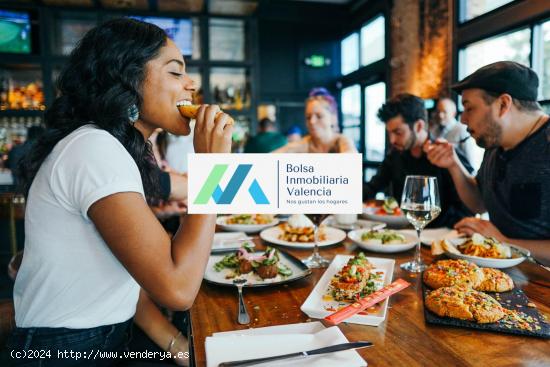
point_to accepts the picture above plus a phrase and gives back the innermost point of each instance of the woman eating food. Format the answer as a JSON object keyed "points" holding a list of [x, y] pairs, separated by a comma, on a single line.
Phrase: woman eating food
{"points": [[91, 240]]}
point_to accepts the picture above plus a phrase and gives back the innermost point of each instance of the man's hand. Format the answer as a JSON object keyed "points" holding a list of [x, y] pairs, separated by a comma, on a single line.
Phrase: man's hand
{"points": [[441, 153], [471, 225]]}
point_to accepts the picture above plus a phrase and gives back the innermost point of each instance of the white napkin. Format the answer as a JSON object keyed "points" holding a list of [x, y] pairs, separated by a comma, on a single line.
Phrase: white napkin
{"points": [[270, 341], [227, 240]]}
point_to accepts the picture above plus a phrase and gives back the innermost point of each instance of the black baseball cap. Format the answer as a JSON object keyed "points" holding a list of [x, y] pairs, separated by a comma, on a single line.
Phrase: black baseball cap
{"points": [[509, 77]]}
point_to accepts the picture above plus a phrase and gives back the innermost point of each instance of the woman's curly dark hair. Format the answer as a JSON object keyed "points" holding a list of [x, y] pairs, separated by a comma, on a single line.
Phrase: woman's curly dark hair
{"points": [[100, 82]]}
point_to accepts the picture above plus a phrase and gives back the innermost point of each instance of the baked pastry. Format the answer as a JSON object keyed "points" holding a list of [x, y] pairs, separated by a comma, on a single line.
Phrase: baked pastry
{"points": [[462, 302], [190, 111], [446, 273], [495, 281]]}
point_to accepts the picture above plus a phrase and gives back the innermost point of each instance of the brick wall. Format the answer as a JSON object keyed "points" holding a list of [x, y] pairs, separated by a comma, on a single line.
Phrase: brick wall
{"points": [[421, 47]]}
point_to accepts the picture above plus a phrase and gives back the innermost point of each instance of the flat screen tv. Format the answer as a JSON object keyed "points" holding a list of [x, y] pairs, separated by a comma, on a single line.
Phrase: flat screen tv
{"points": [[179, 30], [15, 32]]}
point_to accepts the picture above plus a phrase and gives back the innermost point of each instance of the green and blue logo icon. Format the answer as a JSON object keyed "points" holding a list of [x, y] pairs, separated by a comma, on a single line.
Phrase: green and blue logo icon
{"points": [[212, 189]]}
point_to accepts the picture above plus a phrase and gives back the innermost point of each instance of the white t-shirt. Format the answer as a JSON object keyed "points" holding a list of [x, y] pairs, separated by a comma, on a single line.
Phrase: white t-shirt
{"points": [[69, 276], [177, 150]]}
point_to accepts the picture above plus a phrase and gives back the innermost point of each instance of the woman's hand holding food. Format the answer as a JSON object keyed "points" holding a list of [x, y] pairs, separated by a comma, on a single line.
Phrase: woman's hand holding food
{"points": [[212, 130]]}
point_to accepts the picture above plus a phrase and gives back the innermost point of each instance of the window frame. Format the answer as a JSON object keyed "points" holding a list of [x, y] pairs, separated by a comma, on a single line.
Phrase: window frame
{"points": [[508, 18], [378, 71]]}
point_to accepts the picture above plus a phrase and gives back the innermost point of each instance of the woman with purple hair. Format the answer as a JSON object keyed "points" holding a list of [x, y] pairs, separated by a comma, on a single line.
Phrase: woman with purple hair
{"points": [[322, 124]]}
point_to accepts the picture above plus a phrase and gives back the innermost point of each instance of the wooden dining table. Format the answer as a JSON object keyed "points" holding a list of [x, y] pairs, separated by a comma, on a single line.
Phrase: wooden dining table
{"points": [[403, 339]]}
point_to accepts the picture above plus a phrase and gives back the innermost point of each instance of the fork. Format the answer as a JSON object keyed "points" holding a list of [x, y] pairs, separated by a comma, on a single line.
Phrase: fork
{"points": [[243, 317]]}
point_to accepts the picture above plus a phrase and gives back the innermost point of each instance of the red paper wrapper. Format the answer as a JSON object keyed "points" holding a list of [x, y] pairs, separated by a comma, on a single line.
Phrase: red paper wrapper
{"points": [[366, 302]]}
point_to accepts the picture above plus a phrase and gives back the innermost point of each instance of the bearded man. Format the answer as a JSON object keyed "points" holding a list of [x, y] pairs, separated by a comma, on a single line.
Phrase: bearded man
{"points": [[405, 117]]}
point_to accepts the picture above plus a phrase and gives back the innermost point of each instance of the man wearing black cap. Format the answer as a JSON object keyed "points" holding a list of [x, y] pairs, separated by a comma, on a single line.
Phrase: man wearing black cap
{"points": [[513, 183]]}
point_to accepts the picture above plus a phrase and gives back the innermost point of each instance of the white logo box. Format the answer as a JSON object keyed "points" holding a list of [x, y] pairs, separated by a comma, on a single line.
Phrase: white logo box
{"points": [[290, 183]]}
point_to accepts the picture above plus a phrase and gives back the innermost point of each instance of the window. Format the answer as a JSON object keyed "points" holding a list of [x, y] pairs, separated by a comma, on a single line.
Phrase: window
{"points": [[350, 53], [544, 67], [373, 41], [514, 46], [375, 130], [470, 9], [227, 40], [351, 113], [230, 87]]}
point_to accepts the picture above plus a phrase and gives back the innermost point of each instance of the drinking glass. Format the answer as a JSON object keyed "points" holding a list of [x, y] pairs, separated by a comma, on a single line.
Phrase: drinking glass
{"points": [[420, 203], [316, 260]]}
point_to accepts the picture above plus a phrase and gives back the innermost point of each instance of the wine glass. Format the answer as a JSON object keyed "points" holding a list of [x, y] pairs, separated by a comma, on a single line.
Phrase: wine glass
{"points": [[420, 203], [316, 260]]}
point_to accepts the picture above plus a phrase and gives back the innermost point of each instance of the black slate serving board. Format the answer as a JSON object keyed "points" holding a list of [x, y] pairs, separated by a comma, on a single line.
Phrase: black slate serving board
{"points": [[513, 300]]}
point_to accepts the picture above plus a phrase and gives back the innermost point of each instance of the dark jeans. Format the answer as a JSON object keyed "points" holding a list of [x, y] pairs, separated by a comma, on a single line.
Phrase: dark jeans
{"points": [[68, 347]]}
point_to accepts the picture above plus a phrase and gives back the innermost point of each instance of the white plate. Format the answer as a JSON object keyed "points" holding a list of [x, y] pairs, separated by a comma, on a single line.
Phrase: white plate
{"points": [[247, 228], [410, 242], [226, 241], [360, 223], [488, 262], [261, 342], [333, 236], [434, 234], [315, 305], [399, 221], [299, 270]]}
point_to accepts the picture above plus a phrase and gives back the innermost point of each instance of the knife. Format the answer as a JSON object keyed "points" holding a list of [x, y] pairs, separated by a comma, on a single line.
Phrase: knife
{"points": [[331, 349]]}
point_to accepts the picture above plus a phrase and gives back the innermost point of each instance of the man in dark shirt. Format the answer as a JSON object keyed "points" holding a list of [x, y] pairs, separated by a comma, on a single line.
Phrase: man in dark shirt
{"points": [[405, 117], [513, 183]]}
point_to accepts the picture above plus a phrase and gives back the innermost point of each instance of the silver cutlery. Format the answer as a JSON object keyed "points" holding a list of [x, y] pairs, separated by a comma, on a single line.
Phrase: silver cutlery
{"points": [[243, 317], [331, 349]]}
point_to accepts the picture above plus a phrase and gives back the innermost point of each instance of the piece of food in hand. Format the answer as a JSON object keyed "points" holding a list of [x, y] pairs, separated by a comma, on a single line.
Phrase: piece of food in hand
{"points": [[349, 283], [446, 273], [464, 303], [382, 237], [495, 281], [189, 110], [267, 267]]}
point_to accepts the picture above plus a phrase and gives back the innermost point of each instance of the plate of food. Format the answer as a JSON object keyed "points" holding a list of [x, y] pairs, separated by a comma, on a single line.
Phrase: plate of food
{"points": [[259, 268], [358, 224], [383, 240], [346, 279], [385, 211], [248, 223], [298, 232], [484, 251], [462, 294]]}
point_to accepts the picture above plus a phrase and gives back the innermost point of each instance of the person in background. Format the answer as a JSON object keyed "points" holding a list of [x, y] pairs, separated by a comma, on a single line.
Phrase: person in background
{"points": [[321, 113], [19, 151], [446, 126], [177, 150], [95, 255], [405, 118], [513, 183], [293, 134], [266, 140]]}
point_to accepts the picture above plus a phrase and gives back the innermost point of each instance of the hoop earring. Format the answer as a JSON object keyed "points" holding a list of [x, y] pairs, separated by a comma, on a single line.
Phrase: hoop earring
{"points": [[133, 114]]}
